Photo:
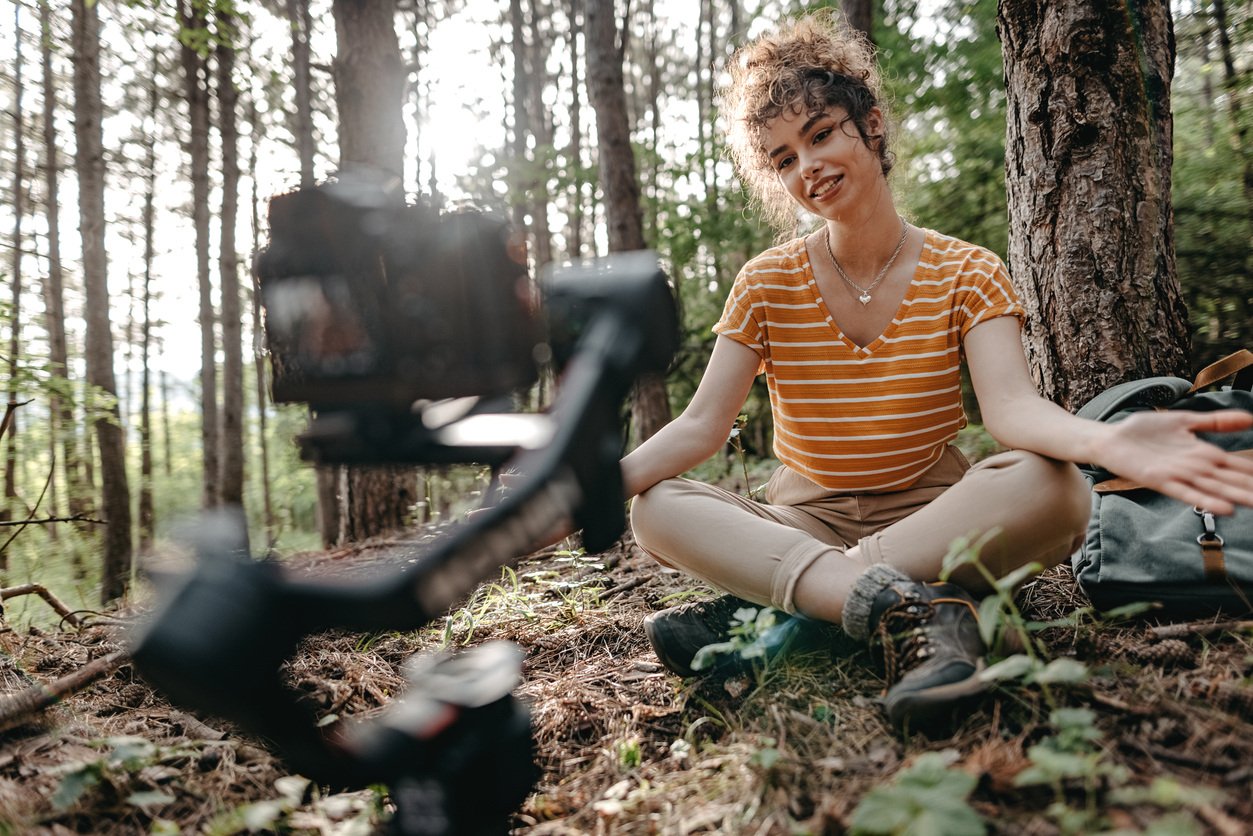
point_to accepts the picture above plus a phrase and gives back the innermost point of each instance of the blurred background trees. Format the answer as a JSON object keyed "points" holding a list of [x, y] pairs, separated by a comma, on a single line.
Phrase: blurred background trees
{"points": [[202, 109]]}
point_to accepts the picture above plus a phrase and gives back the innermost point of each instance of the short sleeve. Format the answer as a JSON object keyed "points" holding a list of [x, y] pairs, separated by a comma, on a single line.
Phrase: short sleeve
{"points": [[739, 321], [987, 292]]}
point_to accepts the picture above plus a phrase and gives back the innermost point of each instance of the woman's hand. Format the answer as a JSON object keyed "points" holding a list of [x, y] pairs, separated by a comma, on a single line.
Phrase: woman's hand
{"points": [[1160, 450]]}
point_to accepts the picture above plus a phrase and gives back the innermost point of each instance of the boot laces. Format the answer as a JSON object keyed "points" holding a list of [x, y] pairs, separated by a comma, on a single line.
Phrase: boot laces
{"points": [[904, 637]]}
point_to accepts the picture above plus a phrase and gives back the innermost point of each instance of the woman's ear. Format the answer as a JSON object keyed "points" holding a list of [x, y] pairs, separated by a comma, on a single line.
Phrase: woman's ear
{"points": [[875, 124]]}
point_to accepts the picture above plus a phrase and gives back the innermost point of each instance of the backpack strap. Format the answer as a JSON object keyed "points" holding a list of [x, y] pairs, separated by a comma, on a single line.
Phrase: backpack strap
{"points": [[1230, 366]]}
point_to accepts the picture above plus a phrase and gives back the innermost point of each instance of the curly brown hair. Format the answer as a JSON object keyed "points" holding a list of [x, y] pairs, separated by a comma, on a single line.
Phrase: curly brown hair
{"points": [[810, 65]]}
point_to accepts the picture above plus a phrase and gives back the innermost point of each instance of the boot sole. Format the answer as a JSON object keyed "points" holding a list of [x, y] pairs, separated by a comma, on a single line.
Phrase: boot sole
{"points": [[932, 708]]}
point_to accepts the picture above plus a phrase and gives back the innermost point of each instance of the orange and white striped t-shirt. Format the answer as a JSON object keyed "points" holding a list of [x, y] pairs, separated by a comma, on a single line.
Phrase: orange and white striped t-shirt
{"points": [[875, 417]]}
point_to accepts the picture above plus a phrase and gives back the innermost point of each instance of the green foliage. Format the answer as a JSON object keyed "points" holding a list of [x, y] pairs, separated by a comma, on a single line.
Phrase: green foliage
{"points": [[122, 759], [928, 797], [296, 797], [945, 83], [1211, 196]]}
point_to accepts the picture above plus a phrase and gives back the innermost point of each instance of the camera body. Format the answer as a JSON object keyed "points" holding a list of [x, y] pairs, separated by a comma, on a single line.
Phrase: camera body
{"points": [[372, 301]]}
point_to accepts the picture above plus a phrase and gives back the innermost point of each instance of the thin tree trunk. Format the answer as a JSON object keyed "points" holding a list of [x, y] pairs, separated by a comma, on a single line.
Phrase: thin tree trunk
{"points": [[196, 85], [1088, 175], [167, 442], [521, 127], [146, 513], [575, 152], [89, 164], [263, 434], [298, 17], [541, 130], [15, 315], [231, 487], [1235, 98], [606, 89]]}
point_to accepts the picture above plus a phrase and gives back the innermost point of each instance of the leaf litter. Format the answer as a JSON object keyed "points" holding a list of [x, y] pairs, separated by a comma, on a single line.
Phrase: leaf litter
{"points": [[625, 747]]}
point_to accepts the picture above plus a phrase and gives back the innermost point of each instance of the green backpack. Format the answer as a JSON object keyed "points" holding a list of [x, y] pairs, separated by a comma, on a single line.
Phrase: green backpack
{"points": [[1142, 546]]}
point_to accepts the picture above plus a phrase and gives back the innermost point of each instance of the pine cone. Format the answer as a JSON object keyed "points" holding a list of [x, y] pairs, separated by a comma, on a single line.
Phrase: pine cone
{"points": [[1166, 653]]}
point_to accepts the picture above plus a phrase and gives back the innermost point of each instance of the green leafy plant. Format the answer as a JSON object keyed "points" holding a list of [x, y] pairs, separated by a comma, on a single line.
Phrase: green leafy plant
{"points": [[122, 757], [928, 797], [741, 421], [1072, 757]]}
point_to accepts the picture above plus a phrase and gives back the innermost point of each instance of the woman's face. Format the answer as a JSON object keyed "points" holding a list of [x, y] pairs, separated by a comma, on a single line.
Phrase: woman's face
{"points": [[822, 161]]}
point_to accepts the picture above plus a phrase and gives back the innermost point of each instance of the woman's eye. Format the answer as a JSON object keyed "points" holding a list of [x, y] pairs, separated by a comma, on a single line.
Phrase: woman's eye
{"points": [[821, 135], [785, 162]]}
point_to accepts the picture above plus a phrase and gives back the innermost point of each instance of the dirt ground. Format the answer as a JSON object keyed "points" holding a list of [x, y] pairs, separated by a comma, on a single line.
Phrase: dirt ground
{"points": [[1164, 743]]}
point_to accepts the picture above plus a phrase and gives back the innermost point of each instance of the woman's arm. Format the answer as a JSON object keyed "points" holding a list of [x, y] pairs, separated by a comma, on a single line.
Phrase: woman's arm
{"points": [[1158, 449], [703, 427]]}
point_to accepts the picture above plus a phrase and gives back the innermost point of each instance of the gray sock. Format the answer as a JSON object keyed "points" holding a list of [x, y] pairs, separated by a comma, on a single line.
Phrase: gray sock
{"points": [[860, 600]]}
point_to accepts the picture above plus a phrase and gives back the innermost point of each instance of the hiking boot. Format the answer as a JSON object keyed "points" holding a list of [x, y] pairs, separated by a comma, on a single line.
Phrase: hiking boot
{"points": [[932, 650], [679, 633]]}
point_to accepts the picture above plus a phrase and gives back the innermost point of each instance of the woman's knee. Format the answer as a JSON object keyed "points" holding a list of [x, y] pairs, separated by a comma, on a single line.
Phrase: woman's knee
{"points": [[1061, 496], [652, 512]]}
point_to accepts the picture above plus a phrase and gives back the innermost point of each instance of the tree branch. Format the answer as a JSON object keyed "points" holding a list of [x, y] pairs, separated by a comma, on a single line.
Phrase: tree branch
{"points": [[15, 707]]}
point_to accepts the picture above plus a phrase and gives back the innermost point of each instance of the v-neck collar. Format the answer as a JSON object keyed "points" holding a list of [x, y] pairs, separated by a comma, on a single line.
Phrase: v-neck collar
{"points": [[864, 351]]}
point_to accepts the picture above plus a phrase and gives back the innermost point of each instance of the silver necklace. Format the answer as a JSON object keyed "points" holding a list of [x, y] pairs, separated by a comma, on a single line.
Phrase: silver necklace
{"points": [[864, 292]]}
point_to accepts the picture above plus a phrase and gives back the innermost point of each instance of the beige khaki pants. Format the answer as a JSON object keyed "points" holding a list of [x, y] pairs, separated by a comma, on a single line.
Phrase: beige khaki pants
{"points": [[802, 549]]}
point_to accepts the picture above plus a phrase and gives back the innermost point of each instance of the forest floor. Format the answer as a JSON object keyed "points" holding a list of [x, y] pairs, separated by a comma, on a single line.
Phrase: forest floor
{"points": [[1153, 733]]}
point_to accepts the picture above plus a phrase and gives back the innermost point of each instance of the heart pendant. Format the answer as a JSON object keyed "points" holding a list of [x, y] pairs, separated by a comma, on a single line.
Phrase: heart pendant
{"points": [[864, 298]]}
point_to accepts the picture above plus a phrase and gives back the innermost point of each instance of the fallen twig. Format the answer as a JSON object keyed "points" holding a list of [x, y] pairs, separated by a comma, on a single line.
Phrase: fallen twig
{"points": [[15, 707], [42, 591], [1198, 628], [49, 520]]}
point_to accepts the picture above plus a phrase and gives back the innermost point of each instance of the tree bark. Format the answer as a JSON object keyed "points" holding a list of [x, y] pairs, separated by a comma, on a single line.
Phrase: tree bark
{"points": [[146, 511], [89, 165], [1088, 176], [369, 91], [196, 87], [369, 87], [257, 133], [298, 18], [231, 482], [650, 406], [61, 403], [542, 131], [574, 248], [15, 315]]}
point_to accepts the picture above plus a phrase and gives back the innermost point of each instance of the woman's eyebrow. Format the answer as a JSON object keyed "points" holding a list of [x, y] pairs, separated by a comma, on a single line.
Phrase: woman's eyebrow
{"points": [[809, 123]]}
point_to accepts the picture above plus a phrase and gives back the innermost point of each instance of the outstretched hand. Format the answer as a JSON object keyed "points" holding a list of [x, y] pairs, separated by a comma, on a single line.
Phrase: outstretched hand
{"points": [[1160, 450]]}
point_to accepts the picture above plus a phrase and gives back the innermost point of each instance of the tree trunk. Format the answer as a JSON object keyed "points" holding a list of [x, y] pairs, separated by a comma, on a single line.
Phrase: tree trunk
{"points": [[574, 162], [231, 487], [1088, 177], [1235, 95], [860, 16], [541, 129], [369, 91], [369, 87], [147, 513], [651, 407], [61, 403], [15, 314], [256, 134], [521, 126], [298, 18], [196, 86], [89, 165]]}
